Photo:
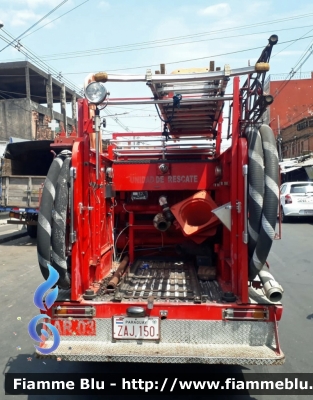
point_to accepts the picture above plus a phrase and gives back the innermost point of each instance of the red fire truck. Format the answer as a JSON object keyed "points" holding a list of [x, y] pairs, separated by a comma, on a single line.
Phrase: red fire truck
{"points": [[161, 239]]}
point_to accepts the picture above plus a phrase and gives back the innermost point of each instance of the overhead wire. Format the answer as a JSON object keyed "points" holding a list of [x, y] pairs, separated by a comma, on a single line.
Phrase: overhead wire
{"points": [[37, 60], [193, 59], [35, 57], [35, 24], [99, 53], [41, 64], [46, 68], [88, 51], [294, 70], [60, 16], [107, 112]]}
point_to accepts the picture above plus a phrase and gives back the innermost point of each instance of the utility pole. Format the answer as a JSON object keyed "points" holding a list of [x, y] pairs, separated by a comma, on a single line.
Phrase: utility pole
{"points": [[279, 140], [63, 106]]}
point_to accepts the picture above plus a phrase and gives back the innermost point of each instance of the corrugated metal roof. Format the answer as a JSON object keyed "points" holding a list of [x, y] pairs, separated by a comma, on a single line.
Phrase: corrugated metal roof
{"points": [[296, 163]]}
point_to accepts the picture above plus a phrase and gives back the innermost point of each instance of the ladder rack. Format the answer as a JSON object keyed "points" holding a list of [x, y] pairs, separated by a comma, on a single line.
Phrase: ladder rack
{"points": [[201, 116], [145, 146], [191, 101], [202, 96]]}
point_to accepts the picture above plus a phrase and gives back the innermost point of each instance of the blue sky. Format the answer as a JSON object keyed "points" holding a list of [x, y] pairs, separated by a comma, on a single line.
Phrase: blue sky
{"points": [[97, 36]]}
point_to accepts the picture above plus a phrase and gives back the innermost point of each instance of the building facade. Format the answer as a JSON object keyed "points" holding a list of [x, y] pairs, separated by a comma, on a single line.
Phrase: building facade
{"points": [[297, 138], [293, 100], [28, 102]]}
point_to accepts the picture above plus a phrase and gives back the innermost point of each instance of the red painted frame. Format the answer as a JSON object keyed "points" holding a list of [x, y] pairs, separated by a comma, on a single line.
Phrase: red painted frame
{"points": [[92, 252]]}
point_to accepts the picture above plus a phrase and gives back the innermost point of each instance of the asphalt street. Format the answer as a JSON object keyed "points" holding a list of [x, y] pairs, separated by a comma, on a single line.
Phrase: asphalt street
{"points": [[290, 262]]}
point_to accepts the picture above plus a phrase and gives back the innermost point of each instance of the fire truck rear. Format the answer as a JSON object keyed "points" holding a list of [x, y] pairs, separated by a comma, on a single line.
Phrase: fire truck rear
{"points": [[161, 239]]}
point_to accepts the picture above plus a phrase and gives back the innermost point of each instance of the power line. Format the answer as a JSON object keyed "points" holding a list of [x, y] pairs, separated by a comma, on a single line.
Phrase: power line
{"points": [[41, 19], [98, 52], [193, 59], [23, 94], [192, 35], [106, 111], [50, 22], [294, 70], [41, 64], [46, 67]]}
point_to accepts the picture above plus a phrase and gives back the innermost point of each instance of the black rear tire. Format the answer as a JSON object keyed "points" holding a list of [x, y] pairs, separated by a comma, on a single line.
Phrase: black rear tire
{"points": [[284, 219], [32, 231]]}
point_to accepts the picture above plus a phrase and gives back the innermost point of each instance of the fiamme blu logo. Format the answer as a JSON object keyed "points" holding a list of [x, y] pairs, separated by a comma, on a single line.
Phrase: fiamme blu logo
{"points": [[49, 300]]}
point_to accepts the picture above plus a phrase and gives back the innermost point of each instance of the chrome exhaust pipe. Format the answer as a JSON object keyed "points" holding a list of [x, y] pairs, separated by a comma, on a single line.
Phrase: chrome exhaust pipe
{"points": [[272, 289]]}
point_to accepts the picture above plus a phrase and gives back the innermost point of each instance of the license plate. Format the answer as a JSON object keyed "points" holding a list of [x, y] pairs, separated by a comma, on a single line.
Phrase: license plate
{"points": [[310, 212], [136, 328]]}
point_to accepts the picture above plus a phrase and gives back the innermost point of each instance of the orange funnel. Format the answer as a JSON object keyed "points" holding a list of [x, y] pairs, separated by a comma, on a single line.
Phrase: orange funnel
{"points": [[194, 214]]}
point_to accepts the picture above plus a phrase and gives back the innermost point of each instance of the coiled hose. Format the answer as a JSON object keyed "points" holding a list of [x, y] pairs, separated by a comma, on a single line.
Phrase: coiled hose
{"points": [[266, 232], [59, 214], [44, 215], [52, 220], [256, 186]]}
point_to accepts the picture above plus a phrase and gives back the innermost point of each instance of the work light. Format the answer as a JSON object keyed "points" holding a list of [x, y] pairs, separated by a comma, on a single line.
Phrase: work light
{"points": [[96, 92]]}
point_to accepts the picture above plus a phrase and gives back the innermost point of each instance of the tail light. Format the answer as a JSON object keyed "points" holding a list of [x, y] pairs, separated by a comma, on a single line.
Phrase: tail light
{"points": [[64, 311], [288, 199], [242, 314]]}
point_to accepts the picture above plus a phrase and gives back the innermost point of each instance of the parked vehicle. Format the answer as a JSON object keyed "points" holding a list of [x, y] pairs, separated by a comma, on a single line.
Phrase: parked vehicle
{"points": [[23, 172], [296, 200]]}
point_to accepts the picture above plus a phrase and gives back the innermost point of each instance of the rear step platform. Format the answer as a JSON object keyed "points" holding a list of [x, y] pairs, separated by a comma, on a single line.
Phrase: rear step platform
{"points": [[165, 280]]}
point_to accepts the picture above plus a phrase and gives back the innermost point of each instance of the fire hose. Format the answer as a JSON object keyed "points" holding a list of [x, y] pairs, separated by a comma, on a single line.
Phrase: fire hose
{"points": [[59, 214], [263, 204], [51, 231]]}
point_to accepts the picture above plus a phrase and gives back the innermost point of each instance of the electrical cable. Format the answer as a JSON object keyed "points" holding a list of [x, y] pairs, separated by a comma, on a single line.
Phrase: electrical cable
{"points": [[193, 59], [41, 19], [118, 237], [45, 67], [50, 22], [291, 74], [120, 255], [130, 47], [107, 112]]}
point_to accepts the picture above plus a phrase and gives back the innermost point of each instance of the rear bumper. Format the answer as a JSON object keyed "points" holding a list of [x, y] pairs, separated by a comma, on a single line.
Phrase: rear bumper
{"points": [[306, 210], [182, 341], [177, 353]]}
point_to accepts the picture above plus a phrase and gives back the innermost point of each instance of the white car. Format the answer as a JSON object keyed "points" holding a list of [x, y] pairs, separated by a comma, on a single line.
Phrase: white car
{"points": [[296, 200]]}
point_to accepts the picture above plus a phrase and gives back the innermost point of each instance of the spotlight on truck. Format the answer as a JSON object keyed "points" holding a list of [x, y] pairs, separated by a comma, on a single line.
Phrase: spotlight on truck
{"points": [[96, 92]]}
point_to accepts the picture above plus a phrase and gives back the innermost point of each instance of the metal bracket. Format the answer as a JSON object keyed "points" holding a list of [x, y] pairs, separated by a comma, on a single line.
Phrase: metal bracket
{"points": [[245, 212], [73, 237], [237, 207], [227, 70], [83, 208], [72, 232], [73, 172], [148, 77]]}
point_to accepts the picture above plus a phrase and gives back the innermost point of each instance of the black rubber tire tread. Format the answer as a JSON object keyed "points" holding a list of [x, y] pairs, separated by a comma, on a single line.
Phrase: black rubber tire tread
{"points": [[32, 231], [271, 196], [284, 219], [44, 216], [256, 186], [59, 215]]}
